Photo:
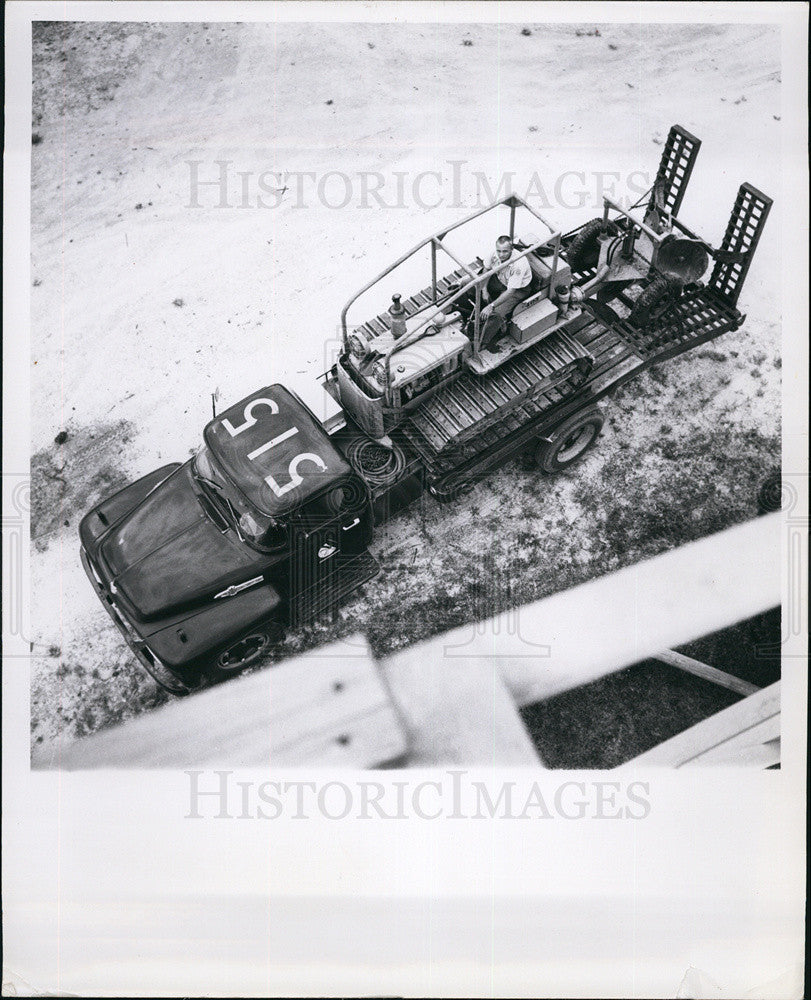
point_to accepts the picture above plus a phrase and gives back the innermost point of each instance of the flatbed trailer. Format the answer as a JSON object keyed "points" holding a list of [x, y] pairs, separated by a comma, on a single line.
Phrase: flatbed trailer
{"points": [[621, 352], [621, 349]]}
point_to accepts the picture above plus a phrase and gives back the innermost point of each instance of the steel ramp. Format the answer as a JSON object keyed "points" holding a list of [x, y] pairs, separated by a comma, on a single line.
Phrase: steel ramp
{"points": [[744, 229], [698, 316], [675, 168]]}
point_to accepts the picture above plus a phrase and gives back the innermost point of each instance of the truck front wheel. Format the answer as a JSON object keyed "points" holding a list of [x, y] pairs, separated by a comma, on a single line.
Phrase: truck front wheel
{"points": [[570, 441], [245, 651]]}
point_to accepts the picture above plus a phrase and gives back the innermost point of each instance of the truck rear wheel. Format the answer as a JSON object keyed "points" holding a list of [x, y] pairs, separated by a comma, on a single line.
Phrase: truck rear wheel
{"points": [[570, 441]]}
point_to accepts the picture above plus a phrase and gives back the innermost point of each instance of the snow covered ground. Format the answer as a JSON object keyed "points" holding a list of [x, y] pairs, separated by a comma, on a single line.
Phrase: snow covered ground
{"points": [[149, 293]]}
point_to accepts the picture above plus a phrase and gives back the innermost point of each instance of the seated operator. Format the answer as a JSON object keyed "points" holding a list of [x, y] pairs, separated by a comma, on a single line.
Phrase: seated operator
{"points": [[511, 284]]}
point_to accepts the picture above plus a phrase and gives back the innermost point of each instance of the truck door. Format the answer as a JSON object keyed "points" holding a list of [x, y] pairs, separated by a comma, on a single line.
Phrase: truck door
{"points": [[328, 560], [314, 563]]}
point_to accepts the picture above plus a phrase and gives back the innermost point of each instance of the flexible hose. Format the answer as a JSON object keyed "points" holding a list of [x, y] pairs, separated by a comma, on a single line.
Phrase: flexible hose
{"points": [[374, 462]]}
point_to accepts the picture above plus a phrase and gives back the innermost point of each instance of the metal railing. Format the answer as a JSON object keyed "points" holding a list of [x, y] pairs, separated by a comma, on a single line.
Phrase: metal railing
{"points": [[436, 241]]}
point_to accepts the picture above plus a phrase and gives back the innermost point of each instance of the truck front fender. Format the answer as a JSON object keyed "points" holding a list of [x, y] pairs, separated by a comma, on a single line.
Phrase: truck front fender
{"points": [[214, 626], [106, 514]]}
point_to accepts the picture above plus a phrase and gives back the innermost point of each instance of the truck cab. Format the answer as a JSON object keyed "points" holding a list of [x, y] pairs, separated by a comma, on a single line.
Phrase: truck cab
{"points": [[202, 564]]}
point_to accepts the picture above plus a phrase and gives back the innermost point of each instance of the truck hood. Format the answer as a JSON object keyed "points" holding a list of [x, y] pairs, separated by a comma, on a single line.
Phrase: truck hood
{"points": [[167, 554]]}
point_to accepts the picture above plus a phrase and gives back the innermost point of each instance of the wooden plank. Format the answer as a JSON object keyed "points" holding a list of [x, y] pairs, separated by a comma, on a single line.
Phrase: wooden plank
{"points": [[614, 621], [762, 755], [603, 341], [590, 631], [456, 711], [622, 368], [723, 737], [708, 673], [327, 708], [608, 352], [759, 746], [453, 699]]}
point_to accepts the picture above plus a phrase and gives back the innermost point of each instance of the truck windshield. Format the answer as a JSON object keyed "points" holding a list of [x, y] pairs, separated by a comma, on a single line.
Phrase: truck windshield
{"points": [[250, 524]]}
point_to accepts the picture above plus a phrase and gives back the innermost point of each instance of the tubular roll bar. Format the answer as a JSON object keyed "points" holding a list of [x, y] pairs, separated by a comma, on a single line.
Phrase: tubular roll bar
{"points": [[512, 201], [477, 281]]}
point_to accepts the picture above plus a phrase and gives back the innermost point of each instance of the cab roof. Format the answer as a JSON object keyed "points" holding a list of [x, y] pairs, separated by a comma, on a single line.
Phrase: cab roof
{"points": [[274, 450]]}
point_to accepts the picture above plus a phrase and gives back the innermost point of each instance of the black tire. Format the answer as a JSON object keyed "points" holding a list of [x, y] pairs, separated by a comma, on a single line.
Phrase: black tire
{"points": [[570, 441], [584, 250], [245, 651], [655, 300]]}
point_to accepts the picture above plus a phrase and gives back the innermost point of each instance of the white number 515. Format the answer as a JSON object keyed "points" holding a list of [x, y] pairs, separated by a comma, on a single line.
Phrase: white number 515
{"points": [[296, 479]]}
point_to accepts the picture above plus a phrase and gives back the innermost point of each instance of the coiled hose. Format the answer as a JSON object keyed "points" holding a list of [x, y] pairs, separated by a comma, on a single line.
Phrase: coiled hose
{"points": [[374, 462]]}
